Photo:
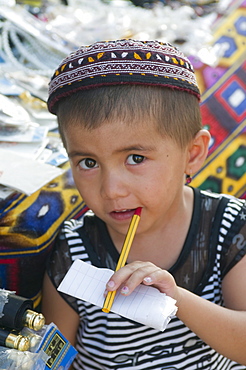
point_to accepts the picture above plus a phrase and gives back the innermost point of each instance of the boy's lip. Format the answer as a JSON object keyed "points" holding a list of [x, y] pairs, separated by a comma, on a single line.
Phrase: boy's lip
{"points": [[122, 214]]}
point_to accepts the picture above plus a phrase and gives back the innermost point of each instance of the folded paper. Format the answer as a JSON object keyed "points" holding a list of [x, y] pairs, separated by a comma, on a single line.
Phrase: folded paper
{"points": [[145, 304]]}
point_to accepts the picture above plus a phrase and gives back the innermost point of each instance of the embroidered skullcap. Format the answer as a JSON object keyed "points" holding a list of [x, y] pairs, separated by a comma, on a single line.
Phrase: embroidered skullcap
{"points": [[150, 63]]}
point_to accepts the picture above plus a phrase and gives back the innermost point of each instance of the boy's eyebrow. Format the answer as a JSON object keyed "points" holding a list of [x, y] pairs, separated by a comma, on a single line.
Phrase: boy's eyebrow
{"points": [[120, 150], [135, 148], [75, 153]]}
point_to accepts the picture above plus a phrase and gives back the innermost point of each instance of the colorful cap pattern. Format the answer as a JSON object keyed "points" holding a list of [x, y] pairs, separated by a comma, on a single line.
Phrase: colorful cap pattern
{"points": [[103, 63]]}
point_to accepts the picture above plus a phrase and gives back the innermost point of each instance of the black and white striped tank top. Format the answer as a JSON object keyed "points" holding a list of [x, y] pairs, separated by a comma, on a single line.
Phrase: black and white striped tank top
{"points": [[216, 241]]}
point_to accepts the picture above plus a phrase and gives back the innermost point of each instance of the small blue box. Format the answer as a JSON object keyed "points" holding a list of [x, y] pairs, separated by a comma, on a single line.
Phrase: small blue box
{"points": [[61, 353]]}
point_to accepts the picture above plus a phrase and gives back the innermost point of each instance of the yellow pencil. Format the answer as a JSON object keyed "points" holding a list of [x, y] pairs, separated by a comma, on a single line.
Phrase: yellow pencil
{"points": [[123, 255]]}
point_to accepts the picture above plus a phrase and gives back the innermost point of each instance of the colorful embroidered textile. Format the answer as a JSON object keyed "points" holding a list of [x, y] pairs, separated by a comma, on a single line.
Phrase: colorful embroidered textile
{"points": [[223, 107], [28, 227], [122, 61]]}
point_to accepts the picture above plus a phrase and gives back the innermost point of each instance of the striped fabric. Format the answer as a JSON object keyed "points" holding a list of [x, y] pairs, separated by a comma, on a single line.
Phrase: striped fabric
{"points": [[108, 341]]}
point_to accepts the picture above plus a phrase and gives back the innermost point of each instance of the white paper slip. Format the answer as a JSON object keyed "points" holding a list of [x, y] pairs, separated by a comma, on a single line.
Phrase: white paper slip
{"points": [[5, 192], [29, 150], [24, 174], [145, 304]]}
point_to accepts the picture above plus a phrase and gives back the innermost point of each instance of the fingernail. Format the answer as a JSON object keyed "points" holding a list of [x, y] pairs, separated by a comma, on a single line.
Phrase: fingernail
{"points": [[110, 284], [148, 279], [125, 290]]}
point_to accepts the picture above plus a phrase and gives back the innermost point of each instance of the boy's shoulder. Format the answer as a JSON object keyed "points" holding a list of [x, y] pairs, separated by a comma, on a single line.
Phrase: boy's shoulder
{"points": [[223, 198], [227, 213], [213, 195], [74, 225], [221, 208]]}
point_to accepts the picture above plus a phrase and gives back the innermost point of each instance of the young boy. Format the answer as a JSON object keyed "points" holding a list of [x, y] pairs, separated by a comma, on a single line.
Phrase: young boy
{"points": [[129, 117]]}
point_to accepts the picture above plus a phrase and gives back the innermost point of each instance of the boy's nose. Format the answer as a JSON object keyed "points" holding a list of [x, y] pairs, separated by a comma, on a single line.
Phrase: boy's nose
{"points": [[114, 186]]}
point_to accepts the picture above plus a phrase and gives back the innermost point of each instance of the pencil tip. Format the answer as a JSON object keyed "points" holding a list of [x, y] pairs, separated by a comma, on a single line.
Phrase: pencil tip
{"points": [[138, 211]]}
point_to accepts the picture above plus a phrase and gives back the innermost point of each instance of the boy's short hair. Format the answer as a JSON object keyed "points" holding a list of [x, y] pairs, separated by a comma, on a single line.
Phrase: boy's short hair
{"points": [[128, 80], [175, 113]]}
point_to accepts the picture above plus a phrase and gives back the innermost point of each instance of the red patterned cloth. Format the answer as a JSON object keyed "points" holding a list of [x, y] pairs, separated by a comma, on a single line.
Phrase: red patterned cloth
{"points": [[223, 107]]}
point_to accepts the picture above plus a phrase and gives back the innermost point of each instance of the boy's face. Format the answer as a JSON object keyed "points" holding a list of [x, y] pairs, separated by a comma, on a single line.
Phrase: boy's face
{"points": [[119, 167]]}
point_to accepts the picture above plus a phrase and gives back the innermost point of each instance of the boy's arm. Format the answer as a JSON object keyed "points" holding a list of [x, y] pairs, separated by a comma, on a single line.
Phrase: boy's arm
{"points": [[222, 328], [56, 310]]}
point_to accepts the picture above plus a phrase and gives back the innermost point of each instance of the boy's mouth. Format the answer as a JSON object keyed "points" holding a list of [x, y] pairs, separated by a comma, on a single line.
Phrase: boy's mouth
{"points": [[123, 214]]}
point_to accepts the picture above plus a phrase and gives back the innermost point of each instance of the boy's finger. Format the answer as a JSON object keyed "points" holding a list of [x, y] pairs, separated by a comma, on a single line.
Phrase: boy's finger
{"points": [[134, 272]]}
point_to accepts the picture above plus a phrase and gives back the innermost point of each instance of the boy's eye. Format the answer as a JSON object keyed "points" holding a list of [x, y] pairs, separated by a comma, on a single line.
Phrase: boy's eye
{"points": [[88, 163], [135, 159]]}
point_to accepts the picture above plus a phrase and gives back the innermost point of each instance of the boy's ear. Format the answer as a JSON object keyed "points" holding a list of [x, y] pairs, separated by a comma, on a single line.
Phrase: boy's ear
{"points": [[197, 152]]}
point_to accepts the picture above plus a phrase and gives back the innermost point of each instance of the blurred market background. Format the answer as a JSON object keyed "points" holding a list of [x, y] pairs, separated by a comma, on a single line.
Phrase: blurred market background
{"points": [[36, 188]]}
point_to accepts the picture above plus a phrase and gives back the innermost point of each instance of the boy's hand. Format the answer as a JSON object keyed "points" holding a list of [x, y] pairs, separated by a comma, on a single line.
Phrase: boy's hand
{"points": [[130, 276]]}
